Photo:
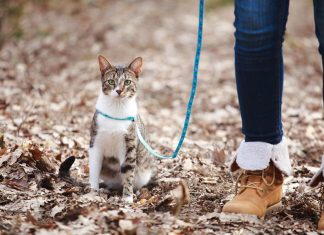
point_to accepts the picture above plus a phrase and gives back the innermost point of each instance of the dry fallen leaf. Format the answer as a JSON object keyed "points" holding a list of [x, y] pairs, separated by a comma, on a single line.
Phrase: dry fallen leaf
{"points": [[3, 148], [17, 178], [219, 156]]}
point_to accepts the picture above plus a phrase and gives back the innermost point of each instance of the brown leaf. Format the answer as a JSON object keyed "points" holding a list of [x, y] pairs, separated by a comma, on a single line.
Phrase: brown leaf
{"points": [[181, 195], [86, 169], [10, 158], [144, 194], [3, 151], [47, 223], [3, 104], [219, 156], [3, 148], [31, 218], [41, 161], [71, 214], [17, 179], [4, 158], [175, 199]]}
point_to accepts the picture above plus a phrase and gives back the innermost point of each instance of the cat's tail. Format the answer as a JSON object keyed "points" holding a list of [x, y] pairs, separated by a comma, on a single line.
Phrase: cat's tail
{"points": [[65, 167], [64, 172]]}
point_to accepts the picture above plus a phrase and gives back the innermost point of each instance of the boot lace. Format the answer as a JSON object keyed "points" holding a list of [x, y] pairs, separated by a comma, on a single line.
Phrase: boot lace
{"points": [[254, 184]]}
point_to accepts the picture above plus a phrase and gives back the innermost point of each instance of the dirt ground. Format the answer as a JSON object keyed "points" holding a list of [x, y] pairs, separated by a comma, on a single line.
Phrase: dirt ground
{"points": [[49, 81]]}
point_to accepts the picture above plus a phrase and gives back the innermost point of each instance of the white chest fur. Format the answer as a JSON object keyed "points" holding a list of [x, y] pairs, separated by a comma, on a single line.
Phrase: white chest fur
{"points": [[111, 133]]}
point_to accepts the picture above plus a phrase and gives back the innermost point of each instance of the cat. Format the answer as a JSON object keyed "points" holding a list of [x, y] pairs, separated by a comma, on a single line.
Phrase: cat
{"points": [[115, 154]]}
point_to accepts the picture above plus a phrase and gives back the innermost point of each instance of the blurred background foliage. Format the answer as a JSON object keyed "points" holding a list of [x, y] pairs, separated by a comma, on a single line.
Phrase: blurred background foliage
{"points": [[11, 12], [212, 4]]}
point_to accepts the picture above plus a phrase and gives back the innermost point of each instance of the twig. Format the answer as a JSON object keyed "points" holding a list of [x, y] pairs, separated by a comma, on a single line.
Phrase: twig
{"points": [[28, 113]]}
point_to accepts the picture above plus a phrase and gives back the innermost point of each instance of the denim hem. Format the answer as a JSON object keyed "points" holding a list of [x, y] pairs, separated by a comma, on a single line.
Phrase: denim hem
{"points": [[270, 139]]}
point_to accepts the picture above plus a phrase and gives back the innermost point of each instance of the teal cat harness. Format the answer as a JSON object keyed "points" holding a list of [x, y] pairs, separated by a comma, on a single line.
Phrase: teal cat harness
{"points": [[190, 102]]}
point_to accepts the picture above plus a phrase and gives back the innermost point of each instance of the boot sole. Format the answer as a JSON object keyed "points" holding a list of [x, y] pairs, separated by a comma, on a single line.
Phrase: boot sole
{"points": [[234, 217]]}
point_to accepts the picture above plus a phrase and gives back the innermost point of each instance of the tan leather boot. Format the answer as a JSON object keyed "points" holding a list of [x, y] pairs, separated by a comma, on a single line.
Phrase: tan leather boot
{"points": [[258, 192], [318, 178], [321, 222]]}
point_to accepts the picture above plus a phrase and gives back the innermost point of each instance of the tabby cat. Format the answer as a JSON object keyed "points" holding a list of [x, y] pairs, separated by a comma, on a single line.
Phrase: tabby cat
{"points": [[115, 154]]}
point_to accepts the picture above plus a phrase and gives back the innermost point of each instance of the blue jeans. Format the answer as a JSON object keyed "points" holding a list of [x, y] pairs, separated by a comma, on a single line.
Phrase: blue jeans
{"points": [[260, 27]]}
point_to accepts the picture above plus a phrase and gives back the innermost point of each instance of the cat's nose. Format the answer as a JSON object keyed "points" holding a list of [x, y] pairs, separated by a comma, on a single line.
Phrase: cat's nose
{"points": [[119, 91]]}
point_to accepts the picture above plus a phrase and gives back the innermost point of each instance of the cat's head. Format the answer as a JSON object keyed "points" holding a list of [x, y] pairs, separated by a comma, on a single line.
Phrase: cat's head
{"points": [[119, 81]]}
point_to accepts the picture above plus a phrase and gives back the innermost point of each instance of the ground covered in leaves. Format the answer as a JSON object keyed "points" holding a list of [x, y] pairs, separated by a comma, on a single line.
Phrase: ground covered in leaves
{"points": [[49, 81]]}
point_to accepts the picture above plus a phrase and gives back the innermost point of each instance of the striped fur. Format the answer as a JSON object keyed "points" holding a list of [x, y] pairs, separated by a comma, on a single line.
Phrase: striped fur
{"points": [[115, 154]]}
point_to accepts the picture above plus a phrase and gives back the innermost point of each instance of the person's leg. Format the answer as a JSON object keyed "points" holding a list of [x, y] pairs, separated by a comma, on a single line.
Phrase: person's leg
{"points": [[260, 26], [319, 28]]}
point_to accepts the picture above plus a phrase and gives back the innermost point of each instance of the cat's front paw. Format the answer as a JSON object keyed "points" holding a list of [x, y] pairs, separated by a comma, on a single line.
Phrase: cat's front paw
{"points": [[94, 185], [128, 199]]}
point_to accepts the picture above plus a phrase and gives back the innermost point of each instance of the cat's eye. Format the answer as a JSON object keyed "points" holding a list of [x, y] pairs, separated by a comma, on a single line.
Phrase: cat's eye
{"points": [[127, 82], [111, 82]]}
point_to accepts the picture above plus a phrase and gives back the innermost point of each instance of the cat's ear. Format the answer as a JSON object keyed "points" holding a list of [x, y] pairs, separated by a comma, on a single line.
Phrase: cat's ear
{"points": [[136, 66], [103, 64]]}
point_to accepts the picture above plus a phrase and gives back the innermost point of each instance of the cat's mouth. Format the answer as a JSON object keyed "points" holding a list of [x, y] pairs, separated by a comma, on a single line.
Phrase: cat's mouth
{"points": [[118, 97]]}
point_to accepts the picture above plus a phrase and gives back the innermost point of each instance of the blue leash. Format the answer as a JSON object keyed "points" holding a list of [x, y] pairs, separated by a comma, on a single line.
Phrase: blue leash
{"points": [[114, 118], [190, 102]]}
